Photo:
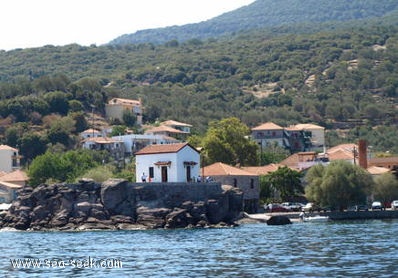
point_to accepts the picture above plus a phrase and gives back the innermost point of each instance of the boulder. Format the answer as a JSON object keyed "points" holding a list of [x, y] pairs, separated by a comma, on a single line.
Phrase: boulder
{"points": [[278, 220], [117, 197]]}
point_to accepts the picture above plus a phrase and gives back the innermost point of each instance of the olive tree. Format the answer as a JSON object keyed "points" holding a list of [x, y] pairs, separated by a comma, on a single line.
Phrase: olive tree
{"points": [[338, 184], [386, 188], [285, 181], [226, 141]]}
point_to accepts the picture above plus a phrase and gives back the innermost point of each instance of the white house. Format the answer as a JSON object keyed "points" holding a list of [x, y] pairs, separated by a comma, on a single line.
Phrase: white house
{"points": [[90, 133], [135, 142], [168, 163], [9, 159], [115, 107]]}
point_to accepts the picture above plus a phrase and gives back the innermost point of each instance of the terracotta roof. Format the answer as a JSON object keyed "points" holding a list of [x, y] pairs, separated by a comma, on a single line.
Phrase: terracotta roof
{"points": [[91, 130], [346, 147], [340, 155], [175, 123], [263, 170], [163, 128], [308, 126], [291, 161], [15, 176], [221, 169], [390, 159], [268, 126], [11, 185], [164, 148], [5, 147], [374, 170]]}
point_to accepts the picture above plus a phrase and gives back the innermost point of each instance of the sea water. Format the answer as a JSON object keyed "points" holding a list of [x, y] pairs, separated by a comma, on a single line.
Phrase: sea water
{"points": [[329, 249]]}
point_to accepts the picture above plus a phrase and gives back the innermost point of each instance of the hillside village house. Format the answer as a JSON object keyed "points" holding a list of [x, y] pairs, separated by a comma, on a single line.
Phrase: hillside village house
{"points": [[9, 159], [10, 183], [186, 128], [90, 133], [171, 129], [246, 181], [115, 108], [135, 142], [113, 146], [295, 138], [268, 134], [167, 163]]}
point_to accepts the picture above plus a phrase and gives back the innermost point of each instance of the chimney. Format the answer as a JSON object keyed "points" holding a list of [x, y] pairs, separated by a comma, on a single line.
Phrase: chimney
{"points": [[363, 154]]}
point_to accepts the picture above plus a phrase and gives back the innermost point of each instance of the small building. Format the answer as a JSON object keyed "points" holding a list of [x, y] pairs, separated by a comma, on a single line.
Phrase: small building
{"points": [[269, 134], [115, 108], [10, 183], [9, 159], [167, 163], [8, 192], [114, 147], [186, 128], [315, 133], [135, 142], [166, 131], [90, 133], [246, 181]]}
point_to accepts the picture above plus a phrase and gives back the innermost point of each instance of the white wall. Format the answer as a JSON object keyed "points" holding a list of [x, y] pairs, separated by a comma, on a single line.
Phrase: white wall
{"points": [[176, 171]]}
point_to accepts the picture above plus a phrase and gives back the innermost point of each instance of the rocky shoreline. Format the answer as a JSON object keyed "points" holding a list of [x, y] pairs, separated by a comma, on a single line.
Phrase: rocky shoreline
{"points": [[120, 205]]}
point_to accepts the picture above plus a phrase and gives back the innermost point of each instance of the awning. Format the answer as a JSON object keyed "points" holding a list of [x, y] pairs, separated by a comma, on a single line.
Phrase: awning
{"points": [[163, 163], [190, 163]]}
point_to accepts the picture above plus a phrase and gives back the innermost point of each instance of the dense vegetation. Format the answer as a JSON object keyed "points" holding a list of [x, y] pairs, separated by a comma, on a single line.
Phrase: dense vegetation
{"points": [[345, 79], [278, 17]]}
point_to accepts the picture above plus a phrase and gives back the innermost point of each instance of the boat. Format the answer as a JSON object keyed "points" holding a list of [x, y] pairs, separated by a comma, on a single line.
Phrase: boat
{"points": [[313, 218], [316, 218]]}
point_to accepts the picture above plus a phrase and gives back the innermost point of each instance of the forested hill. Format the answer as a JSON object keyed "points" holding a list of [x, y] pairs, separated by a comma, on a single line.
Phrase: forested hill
{"points": [[281, 16], [346, 78]]}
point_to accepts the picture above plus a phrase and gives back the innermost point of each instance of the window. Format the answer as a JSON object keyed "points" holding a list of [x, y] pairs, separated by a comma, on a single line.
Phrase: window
{"points": [[235, 182], [151, 175], [251, 183]]}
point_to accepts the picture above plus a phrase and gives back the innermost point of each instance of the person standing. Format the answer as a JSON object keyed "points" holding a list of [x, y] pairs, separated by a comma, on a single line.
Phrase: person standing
{"points": [[143, 177]]}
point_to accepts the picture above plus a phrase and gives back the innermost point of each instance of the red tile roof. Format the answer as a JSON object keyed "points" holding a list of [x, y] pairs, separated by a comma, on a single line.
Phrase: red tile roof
{"points": [[163, 128], [263, 170], [15, 176], [221, 169], [175, 123], [5, 147], [164, 148], [268, 126]]}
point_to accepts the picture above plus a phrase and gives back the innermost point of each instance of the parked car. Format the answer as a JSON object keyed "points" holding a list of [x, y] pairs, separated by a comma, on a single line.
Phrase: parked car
{"points": [[394, 205], [310, 207], [377, 206], [292, 206], [275, 208], [358, 208]]}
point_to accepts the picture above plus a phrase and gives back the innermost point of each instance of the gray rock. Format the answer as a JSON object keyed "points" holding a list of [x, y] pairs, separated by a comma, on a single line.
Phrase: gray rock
{"points": [[279, 220]]}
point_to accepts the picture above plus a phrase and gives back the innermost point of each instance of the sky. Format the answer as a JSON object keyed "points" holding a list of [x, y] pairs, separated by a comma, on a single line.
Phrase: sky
{"points": [[35, 23]]}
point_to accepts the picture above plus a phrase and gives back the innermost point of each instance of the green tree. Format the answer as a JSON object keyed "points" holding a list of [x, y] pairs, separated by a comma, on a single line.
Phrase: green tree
{"points": [[58, 102], [338, 185], [28, 140], [62, 166], [385, 188], [286, 182], [226, 141], [129, 118], [273, 153]]}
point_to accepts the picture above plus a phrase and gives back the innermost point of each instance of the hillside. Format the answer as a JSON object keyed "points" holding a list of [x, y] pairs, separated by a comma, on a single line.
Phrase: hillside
{"points": [[286, 16], [344, 79]]}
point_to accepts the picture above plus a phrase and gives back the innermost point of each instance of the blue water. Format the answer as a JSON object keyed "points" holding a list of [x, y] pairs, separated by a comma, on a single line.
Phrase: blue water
{"points": [[332, 249]]}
